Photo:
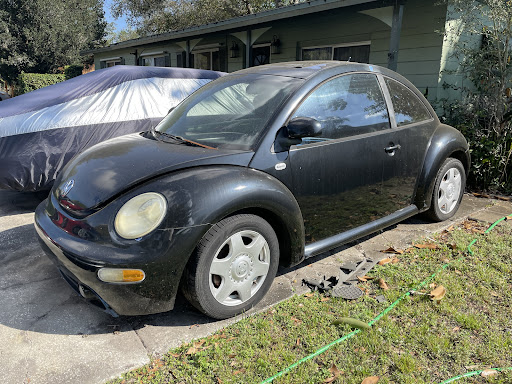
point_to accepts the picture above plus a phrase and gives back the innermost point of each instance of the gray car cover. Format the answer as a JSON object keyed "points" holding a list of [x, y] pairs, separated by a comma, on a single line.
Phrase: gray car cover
{"points": [[42, 130]]}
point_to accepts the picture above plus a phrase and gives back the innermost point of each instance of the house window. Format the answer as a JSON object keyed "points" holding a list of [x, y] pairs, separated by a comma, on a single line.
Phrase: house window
{"points": [[111, 62], [358, 52], [206, 59], [156, 61], [260, 54]]}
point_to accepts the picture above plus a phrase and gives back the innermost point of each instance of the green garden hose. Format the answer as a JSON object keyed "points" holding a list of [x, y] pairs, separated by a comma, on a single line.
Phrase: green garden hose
{"points": [[474, 373], [380, 315]]}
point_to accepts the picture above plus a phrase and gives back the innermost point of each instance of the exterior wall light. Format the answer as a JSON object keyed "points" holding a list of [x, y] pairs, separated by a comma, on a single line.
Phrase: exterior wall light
{"points": [[275, 45]]}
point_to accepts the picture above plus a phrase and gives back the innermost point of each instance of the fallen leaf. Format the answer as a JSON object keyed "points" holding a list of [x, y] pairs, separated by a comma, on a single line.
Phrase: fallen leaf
{"points": [[175, 355], [394, 260], [502, 197], [325, 299], [298, 342], [239, 371], [295, 320], [480, 195], [382, 284], [368, 277], [385, 261], [409, 250], [438, 293], [426, 246], [335, 373], [488, 372], [452, 245], [371, 380], [309, 294], [198, 344], [360, 349], [191, 351], [219, 381], [361, 279], [455, 329], [232, 356], [450, 228], [392, 250]]}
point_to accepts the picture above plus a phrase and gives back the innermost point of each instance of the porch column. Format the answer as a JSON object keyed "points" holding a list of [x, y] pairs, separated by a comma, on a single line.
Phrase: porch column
{"points": [[394, 40], [248, 51], [187, 58]]}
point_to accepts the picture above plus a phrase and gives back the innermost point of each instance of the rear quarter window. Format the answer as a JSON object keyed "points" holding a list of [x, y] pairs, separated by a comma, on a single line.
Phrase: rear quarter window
{"points": [[408, 107]]}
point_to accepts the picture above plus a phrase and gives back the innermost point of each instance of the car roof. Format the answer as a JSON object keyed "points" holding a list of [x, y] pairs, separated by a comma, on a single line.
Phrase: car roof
{"points": [[308, 69]]}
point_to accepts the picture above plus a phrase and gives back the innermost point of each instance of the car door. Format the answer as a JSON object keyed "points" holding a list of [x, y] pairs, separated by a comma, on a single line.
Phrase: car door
{"points": [[338, 177], [413, 126]]}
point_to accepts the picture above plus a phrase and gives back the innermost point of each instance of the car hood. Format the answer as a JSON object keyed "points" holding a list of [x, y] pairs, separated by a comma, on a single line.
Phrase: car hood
{"points": [[106, 170]]}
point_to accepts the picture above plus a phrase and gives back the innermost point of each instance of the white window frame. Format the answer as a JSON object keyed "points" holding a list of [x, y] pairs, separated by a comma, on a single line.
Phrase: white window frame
{"points": [[333, 46], [203, 49], [111, 60], [151, 56]]}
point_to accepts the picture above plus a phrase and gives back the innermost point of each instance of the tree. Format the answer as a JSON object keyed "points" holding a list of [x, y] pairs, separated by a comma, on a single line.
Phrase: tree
{"points": [[42, 35], [116, 37], [159, 16], [480, 33]]}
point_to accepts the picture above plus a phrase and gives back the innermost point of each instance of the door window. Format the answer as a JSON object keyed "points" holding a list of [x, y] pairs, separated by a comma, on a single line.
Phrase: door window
{"points": [[345, 106], [408, 107]]}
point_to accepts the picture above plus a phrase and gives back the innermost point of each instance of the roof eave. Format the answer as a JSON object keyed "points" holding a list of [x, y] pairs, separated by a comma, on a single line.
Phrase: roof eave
{"points": [[235, 23]]}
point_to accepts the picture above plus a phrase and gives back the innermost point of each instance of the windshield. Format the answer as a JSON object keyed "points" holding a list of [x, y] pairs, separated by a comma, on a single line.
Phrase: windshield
{"points": [[231, 112]]}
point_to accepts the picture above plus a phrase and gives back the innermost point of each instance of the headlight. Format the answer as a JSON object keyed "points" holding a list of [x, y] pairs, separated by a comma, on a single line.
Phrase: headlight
{"points": [[140, 215]]}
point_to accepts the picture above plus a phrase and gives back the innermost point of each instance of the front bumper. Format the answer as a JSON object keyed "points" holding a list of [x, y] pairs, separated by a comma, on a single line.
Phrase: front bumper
{"points": [[79, 260]]}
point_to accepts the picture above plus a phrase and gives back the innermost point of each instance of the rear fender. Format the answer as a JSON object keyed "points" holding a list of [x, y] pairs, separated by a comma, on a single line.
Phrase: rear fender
{"points": [[446, 142]]}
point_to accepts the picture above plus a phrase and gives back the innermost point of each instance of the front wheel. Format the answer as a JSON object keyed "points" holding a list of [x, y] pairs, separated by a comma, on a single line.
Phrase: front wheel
{"points": [[448, 190], [233, 266]]}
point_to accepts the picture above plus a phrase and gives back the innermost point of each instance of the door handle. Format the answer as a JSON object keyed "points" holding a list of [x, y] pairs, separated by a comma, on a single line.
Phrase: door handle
{"points": [[392, 148]]}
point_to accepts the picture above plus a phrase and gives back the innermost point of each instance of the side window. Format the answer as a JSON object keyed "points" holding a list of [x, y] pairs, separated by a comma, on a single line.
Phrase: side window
{"points": [[346, 106], [408, 108]]}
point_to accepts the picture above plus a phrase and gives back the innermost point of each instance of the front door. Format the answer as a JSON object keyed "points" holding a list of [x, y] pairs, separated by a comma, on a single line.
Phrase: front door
{"points": [[344, 178]]}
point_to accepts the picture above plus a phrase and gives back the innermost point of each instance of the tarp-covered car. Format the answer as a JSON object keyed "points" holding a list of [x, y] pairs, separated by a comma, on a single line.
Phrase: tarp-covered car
{"points": [[42, 130]]}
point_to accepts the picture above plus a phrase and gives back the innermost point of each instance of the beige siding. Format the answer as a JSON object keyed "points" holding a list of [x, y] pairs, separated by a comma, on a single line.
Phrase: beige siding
{"points": [[419, 58]]}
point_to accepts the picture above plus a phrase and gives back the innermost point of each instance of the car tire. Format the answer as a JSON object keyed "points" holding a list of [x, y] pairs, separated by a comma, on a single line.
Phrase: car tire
{"points": [[448, 190], [225, 276]]}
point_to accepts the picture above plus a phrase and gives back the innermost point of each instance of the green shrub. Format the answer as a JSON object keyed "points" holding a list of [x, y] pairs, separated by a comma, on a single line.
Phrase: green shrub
{"points": [[28, 82], [71, 71]]}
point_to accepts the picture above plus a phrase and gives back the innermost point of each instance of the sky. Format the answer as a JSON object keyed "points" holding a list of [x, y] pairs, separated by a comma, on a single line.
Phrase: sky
{"points": [[119, 23]]}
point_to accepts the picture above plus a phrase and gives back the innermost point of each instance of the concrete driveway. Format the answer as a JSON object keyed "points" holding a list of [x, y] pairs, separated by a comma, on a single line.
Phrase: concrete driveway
{"points": [[49, 335]]}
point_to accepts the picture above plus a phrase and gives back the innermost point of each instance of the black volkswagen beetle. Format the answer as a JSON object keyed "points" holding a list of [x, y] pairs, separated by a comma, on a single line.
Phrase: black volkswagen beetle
{"points": [[265, 166]]}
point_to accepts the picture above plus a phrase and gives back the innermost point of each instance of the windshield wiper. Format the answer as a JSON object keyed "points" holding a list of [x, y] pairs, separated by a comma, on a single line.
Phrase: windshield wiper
{"points": [[179, 139]]}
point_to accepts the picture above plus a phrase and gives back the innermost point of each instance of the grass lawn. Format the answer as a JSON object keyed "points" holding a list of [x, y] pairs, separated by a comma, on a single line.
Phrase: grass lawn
{"points": [[418, 341]]}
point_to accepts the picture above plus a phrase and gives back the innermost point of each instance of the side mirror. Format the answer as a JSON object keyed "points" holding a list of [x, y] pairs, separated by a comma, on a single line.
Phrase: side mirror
{"points": [[300, 127]]}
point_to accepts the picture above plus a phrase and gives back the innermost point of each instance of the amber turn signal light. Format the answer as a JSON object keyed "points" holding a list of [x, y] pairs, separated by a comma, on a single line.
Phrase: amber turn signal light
{"points": [[115, 275]]}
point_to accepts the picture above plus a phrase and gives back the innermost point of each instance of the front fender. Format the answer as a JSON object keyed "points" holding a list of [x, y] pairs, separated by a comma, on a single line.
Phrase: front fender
{"points": [[446, 142], [202, 196]]}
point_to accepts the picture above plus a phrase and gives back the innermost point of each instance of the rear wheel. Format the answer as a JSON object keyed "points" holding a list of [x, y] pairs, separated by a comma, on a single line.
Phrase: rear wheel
{"points": [[233, 266], [448, 190]]}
